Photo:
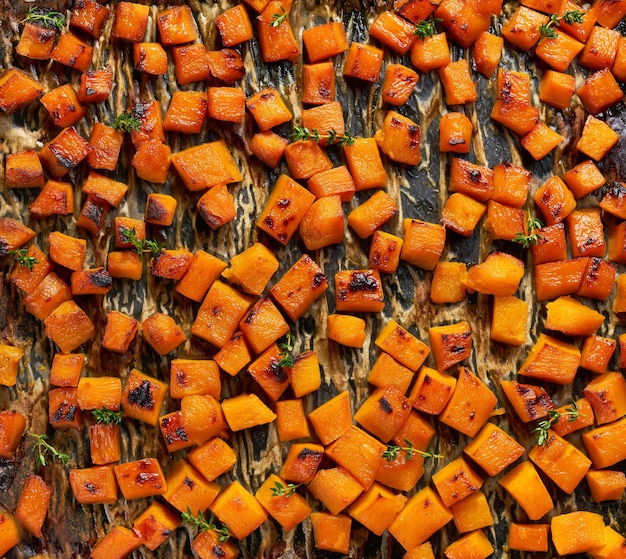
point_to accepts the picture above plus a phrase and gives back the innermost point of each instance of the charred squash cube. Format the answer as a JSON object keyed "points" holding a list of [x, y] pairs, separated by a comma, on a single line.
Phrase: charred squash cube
{"points": [[143, 397]]}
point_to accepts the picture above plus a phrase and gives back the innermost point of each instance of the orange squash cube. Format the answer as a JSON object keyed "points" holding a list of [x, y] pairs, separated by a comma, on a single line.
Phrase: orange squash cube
{"points": [[277, 42], [290, 420], [455, 481], [522, 28], [529, 401], [471, 179], [346, 330], [36, 41], [305, 374], [306, 158], [188, 490], [66, 369], [463, 20], [359, 291], [455, 133], [73, 52], [363, 62], [288, 511], [226, 104], [371, 215], [558, 51], [95, 85], [572, 317], [541, 140], [18, 89], [90, 17], [525, 486], [234, 26], [509, 320], [448, 283], [323, 224], [239, 510], [105, 143], [194, 377], [510, 184], [140, 478], [325, 41], [332, 419], [174, 432], [384, 412], [472, 513], [177, 26], [143, 397], [162, 333], [104, 444], [606, 485], [384, 253], [399, 83], [117, 544], [245, 411], [268, 109], [336, 488], [335, 181], [96, 281], [64, 152], [10, 358], [457, 83], [500, 274], [12, 426], [588, 527], [302, 462], [63, 410], [51, 292], [542, 360], [600, 91], [318, 81], [402, 345], [399, 139], [55, 198], [607, 395], [268, 147], [331, 533], [155, 524], [267, 371], [393, 31], [23, 170], [213, 458], [186, 112], [217, 206], [423, 243], [462, 213], [131, 21], [226, 65], [432, 391], [431, 53], [487, 53], [32, 506], [99, 392], [94, 486], [63, 106], [528, 537], [191, 63], [493, 449], [365, 164], [377, 508], [475, 543], [69, 326], [11, 531], [600, 48]]}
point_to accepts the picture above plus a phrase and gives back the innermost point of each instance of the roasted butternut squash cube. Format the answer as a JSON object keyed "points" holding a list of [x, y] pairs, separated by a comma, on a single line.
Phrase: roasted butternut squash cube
{"points": [[399, 139], [596, 353], [402, 345], [332, 419], [346, 330], [302, 462], [239, 510], [155, 524], [359, 291], [104, 444], [206, 166], [23, 170], [140, 478], [73, 52], [306, 158], [448, 283], [12, 532], [525, 486], [90, 17], [600, 91], [305, 374], [245, 411], [269, 373], [10, 358], [529, 401], [558, 51], [399, 83], [203, 270], [584, 419], [455, 133], [588, 527], [324, 119], [522, 28], [213, 458], [500, 274], [463, 21], [162, 333], [472, 513], [551, 360], [509, 320], [63, 106], [99, 392], [423, 243], [336, 488], [95, 85], [570, 316], [252, 269], [174, 432], [217, 206], [474, 543], [372, 214], [291, 420], [528, 537], [431, 53], [288, 510], [187, 489], [541, 140], [557, 89], [18, 89], [96, 281], [51, 292], [194, 377], [32, 506], [555, 279], [363, 62], [150, 58], [432, 391], [93, 214], [325, 41], [268, 109], [607, 395], [177, 26], [510, 184], [234, 26], [365, 164], [583, 179], [226, 104], [393, 31], [493, 449], [462, 213], [63, 410], [69, 326], [487, 53], [597, 138], [384, 412], [606, 485], [190, 63], [226, 65], [277, 42], [64, 152], [384, 253], [323, 224], [12, 426], [55, 198], [455, 481], [131, 21], [36, 41], [604, 444], [117, 544], [377, 508], [143, 397], [94, 486], [203, 417], [457, 83], [268, 147], [66, 369], [331, 533]]}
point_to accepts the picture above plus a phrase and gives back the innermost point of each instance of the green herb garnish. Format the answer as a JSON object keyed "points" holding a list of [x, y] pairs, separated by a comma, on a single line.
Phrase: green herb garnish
{"points": [[392, 452], [47, 18], [286, 349], [23, 259], [532, 238], [303, 133], [107, 416], [279, 490], [548, 31], [204, 525], [426, 27], [571, 413], [126, 122], [44, 447], [277, 19], [141, 246]]}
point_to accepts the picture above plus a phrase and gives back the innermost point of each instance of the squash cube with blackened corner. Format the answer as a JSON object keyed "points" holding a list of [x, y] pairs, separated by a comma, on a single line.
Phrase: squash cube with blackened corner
{"points": [[384, 412], [63, 106], [209, 545], [226, 65], [171, 263], [277, 42], [55, 198], [150, 58], [143, 397], [268, 109], [302, 462], [194, 377], [155, 524], [72, 52], [187, 489], [162, 333], [160, 209], [613, 201], [359, 291], [399, 139], [363, 62], [95, 85], [18, 89], [96, 281], [450, 344], [239, 510], [131, 22], [140, 478], [607, 395], [94, 486], [12, 426], [384, 254], [529, 401], [93, 214], [69, 326], [174, 432], [23, 170], [217, 207], [36, 41], [63, 410], [288, 509], [403, 346], [269, 373], [89, 16], [64, 152], [263, 325], [213, 458], [10, 358]]}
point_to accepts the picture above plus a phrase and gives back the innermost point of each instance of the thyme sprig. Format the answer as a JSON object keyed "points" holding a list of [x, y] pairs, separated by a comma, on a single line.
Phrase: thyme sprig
{"points": [[393, 450], [277, 19], [23, 259], [286, 349], [532, 237], [280, 490], [129, 235], [201, 523], [426, 27], [108, 417], [332, 136], [43, 448], [548, 31], [126, 122], [47, 18], [571, 413]]}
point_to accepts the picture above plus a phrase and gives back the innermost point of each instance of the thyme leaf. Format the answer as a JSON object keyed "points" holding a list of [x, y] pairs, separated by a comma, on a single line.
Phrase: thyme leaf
{"points": [[547, 30], [332, 136], [23, 259], [107, 417], [277, 19], [393, 451], [47, 18], [280, 490], [426, 27], [129, 235], [286, 349], [532, 237], [43, 448], [201, 523], [542, 436], [126, 122]]}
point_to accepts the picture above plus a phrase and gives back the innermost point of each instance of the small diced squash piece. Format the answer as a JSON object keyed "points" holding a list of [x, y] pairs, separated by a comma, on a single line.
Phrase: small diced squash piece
{"points": [[324, 119], [93, 214], [32, 506], [287, 510], [613, 200], [465, 21], [471, 179], [267, 371], [525, 486], [72, 51], [529, 401], [51, 292], [268, 147], [155, 524], [190, 63], [509, 320], [94, 486], [608, 12], [505, 222], [384, 412], [69, 326], [528, 537], [563, 277], [63, 410], [18, 89], [586, 233], [330, 532], [359, 291], [557, 89], [332, 419], [606, 485], [577, 30], [55, 198], [457, 83], [377, 508], [268, 109], [162, 333], [323, 224], [206, 165], [577, 532], [450, 344], [384, 253], [522, 28], [290, 420], [63, 106], [239, 510], [510, 184], [27, 279], [455, 133], [95, 85], [475, 544], [487, 53], [203, 270], [431, 53], [306, 158], [551, 360], [500, 274], [541, 140], [106, 189], [213, 458], [226, 104], [399, 139], [393, 31], [551, 245], [335, 181], [455, 481], [209, 545], [558, 51], [336, 488], [234, 355], [10, 358], [140, 478], [600, 91], [415, 11], [432, 391], [23, 170], [174, 432], [597, 138], [605, 444], [584, 419], [596, 353], [63, 153], [104, 444], [607, 395], [302, 462], [117, 544], [131, 21], [277, 42], [186, 112], [619, 66], [571, 317], [305, 374], [245, 411], [325, 41], [90, 17], [399, 83], [234, 26], [66, 369], [150, 58], [143, 397], [12, 532], [423, 243], [36, 41], [299, 287], [226, 65], [203, 417], [472, 513], [188, 490], [96, 281], [518, 116], [12, 426], [448, 283], [99, 392], [125, 264], [561, 461], [365, 164], [363, 62], [217, 206], [470, 406], [194, 377], [252, 269], [493, 449], [462, 213], [177, 26], [371, 215], [346, 330], [220, 314], [434, 515], [583, 179], [106, 143]]}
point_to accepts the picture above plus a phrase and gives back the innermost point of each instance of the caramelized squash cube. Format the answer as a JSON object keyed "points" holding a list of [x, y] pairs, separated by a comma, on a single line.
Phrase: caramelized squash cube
{"points": [[331, 532], [162, 333], [187, 489], [269, 147], [234, 26], [73, 52], [268, 109], [556, 89], [267, 371], [63, 410], [131, 21], [423, 243], [99, 392], [150, 58], [288, 511], [117, 544], [104, 444], [95, 85], [191, 64], [551, 360], [17, 90], [599, 92], [305, 158], [23, 170], [302, 462], [32, 506], [493, 449], [457, 83], [455, 133], [384, 412], [94, 486], [509, 320], [529, 401], [558, 51], [63, 106], [399, 83], [69, 326], [239, 510], [500, 274], [213, 458], [90, 17], [143, 397], [194, 377], [431, 53], [276, 42], [399, 139], [365, 164], [177, 26], [10, 358], [155, 524], [377, 508], [525, 486], [336, 488], [455, 481], [325, 41], [226, 65], [201, 273], [332, 419], [363, 62], [245, 411], [66, 369], [64, 152], [140, 478], [174, 432], [12, 426], [47, 296], [36, 41], [432, 391]]}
